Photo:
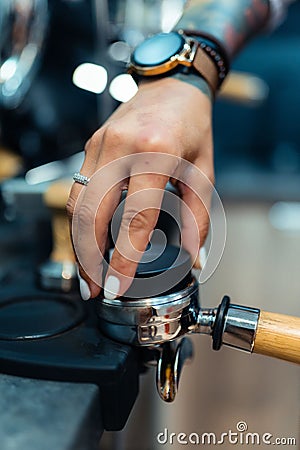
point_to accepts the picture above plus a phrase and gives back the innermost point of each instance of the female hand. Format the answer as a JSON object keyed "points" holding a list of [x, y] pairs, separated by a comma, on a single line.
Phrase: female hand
{"points": [[167, 117]]}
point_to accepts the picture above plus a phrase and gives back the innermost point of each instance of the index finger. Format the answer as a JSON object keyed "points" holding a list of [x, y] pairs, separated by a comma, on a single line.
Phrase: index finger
{"points": [[141, 211]]}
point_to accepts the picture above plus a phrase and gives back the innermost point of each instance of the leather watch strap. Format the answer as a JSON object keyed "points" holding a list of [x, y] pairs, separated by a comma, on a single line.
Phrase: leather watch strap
{"points": [[207, 68]]}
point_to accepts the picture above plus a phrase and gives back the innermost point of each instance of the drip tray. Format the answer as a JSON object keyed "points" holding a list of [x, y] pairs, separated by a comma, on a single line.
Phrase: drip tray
{"points": [[54, 336], [38, 317]]}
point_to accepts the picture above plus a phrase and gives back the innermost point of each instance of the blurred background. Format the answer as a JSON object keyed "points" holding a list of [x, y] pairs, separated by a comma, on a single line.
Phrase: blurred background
{"points": [[61, 75], [50, 99]]}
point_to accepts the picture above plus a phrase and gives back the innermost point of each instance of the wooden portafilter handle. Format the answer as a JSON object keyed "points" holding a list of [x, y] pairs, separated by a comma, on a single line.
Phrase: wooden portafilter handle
{"points": [[256, 331], [278, 335], [59, 272]]}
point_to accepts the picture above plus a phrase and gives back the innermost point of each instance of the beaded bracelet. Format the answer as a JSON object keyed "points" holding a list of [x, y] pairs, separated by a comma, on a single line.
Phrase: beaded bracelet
{"points": [[214, 49]]}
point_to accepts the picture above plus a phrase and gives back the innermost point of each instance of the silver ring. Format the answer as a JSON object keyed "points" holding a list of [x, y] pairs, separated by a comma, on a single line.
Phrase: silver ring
{"points": [[81, 179]]}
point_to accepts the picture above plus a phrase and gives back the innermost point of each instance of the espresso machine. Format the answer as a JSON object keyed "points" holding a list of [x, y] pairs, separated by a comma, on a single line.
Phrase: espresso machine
{"points": [[47, 333], [64, 338]]}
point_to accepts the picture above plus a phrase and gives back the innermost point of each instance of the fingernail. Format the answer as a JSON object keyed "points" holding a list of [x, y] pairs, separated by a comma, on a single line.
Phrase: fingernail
{"points": [[111, 287], [84, 287], [202, 257]]}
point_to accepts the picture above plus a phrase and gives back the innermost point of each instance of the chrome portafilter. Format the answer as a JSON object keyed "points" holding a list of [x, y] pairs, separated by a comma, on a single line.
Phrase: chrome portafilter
{"points": [[156, 322]]}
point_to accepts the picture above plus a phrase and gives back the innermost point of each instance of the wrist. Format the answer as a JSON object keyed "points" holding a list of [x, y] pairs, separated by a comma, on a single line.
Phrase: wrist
{"points": [[184, 79], [196, 81]]}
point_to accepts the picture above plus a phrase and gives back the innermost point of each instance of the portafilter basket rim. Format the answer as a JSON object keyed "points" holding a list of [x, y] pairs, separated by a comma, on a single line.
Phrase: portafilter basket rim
{"points": [[147, 302]]}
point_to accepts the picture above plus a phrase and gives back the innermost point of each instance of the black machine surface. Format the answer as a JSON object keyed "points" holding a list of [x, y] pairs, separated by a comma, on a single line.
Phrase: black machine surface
{"points": [[53, 357], [55, 336]]}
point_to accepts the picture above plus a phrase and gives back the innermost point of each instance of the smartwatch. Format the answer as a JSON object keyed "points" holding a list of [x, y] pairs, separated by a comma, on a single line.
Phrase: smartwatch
{"points": [[168, 52]]}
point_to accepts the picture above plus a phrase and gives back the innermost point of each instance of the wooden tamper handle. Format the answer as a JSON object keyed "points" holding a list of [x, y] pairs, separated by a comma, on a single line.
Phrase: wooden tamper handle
{"points": [[10, 164], [59, 272], [56, 198], [278, 335], [245, 88]]}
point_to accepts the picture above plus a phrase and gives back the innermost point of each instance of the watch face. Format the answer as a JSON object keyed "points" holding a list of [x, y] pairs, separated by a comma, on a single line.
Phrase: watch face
{"points": [[158, 49]]}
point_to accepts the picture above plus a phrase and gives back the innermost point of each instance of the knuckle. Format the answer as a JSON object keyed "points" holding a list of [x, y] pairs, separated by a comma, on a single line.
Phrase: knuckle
{"points": [[87, 145], [114, 135], [70, 207], [94, 142], [85, 214], [138, 221], [120, 263], [153, 140], [203, 230], [141, 221], [96, 137]]}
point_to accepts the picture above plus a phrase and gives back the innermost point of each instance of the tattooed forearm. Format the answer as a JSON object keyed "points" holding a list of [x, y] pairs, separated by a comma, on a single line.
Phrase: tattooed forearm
{"points": [[232, 22]]}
